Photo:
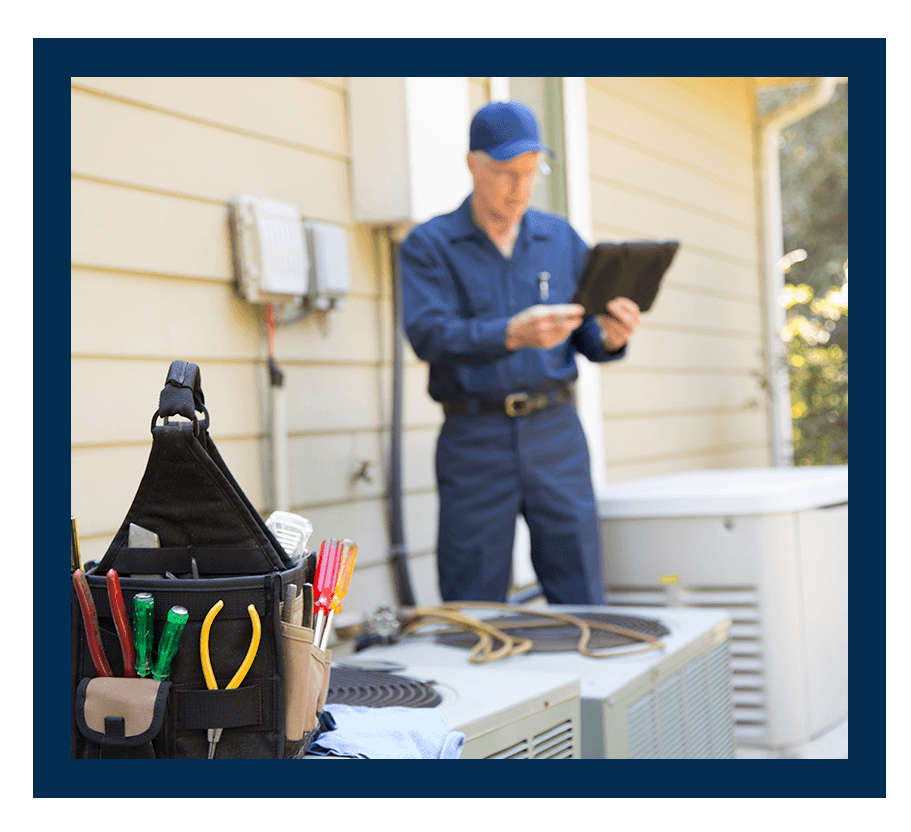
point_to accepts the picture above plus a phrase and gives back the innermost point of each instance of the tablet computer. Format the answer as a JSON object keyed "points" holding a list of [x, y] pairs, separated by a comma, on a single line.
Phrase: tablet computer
{"points": [[631, 270]]}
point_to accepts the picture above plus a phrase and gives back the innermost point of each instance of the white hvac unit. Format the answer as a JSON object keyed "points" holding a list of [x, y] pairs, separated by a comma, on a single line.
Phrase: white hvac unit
{"points": [[532, 716], [669, 702], [409, 140], [771, 547], [535, 716]]}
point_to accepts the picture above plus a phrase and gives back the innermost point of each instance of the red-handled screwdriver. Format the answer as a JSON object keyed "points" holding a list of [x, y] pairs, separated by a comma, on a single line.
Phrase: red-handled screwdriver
{"points": [[346, 566], [121, 623], [90, 620], [330, 552]]}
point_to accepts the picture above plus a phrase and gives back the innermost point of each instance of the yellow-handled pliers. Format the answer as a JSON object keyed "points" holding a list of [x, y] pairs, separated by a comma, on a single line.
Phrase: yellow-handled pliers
{"points": [[215, 733]]}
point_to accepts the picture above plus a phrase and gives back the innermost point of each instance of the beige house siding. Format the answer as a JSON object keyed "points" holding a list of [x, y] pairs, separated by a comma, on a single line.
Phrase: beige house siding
{"points": [[155, 162], [673, 158]]}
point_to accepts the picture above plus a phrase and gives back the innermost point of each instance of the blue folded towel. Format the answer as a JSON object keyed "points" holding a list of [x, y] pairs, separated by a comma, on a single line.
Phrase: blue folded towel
{"points": [[388, 734]]}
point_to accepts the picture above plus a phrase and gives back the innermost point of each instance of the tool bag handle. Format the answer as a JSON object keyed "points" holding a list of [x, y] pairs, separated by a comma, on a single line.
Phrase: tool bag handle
{"points": [[182, 396], [187, 463]]}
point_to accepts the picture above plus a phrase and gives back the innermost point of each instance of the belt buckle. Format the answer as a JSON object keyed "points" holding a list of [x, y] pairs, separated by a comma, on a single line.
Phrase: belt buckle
{"points": [[521, 404]]}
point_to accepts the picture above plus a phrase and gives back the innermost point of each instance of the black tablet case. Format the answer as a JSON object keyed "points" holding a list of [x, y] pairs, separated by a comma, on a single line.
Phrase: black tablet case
{"points": [[631, 269]]}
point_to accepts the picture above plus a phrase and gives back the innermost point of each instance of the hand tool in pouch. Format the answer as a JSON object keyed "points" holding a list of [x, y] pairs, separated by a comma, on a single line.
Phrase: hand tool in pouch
{"points": [[214, 734], [326, 576], [346, 565], [169, 642], [289, 593], [140, 538], [307, 617], [75, 560], [292, 531], [121, 623], [90, 620], [143, 611]]}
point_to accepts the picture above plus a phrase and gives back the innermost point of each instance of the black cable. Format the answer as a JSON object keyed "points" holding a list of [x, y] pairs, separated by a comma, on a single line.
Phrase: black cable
{"points": [[398, 553]]}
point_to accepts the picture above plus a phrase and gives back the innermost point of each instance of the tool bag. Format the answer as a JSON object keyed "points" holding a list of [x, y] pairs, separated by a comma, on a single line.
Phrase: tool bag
{"points": [[212, 546]]}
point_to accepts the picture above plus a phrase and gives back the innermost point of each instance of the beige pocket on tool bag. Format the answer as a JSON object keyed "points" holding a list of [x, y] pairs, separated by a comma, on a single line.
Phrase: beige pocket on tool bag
{"points": [[123, 718], [319, 681], [300, 704], [326, 659]]}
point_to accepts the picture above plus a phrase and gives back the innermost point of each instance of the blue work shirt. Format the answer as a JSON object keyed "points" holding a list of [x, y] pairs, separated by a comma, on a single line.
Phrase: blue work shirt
{"points": [[459, 292]]}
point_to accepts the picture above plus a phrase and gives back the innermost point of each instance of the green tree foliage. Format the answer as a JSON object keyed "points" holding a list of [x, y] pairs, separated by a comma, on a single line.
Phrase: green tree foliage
{"points": [[819, 375], [814, 183]]}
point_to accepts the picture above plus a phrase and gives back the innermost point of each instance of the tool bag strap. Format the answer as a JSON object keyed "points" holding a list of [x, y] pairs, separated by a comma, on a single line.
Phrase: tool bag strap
{"points": [[182, 396]]}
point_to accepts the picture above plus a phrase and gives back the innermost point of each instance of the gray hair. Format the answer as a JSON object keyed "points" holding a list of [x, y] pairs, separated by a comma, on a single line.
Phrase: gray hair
{"points": [[486, 158]]}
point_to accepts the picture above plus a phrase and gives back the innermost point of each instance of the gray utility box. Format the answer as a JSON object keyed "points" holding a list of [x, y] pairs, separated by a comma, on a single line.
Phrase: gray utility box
{"points": [[770, 546]]}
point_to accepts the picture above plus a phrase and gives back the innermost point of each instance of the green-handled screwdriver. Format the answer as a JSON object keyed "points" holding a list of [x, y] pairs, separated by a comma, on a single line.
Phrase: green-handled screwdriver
{"points": [[169, 642], [143, 609]]}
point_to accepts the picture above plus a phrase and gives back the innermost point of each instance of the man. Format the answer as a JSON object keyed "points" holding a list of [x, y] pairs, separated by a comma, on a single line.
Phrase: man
{"points": [[511, 442]]}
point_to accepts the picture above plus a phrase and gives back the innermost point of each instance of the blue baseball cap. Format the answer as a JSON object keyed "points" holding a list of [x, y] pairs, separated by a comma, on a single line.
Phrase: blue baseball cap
{"points": [[504, 130]]}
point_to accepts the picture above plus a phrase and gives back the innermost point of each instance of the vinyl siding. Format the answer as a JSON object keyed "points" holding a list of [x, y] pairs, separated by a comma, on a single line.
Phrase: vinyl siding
{"points": [[155, 162], [672, 158]]}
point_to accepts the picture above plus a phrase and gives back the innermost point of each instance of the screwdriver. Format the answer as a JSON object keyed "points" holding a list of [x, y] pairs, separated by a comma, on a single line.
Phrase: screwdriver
{"points": [[349, 553], [169, 642], [90, 620], [143, 608], [75, 561], [324, 583], [121, 623]]}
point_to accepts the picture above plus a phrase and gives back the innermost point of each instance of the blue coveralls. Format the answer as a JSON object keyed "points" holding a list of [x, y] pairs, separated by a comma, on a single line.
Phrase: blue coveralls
{"points": [[458, 293]]}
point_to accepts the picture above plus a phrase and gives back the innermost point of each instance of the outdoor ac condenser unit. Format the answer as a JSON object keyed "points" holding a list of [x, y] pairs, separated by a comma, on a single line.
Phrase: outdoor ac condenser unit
{"points": [[670, 702], [770, 546], [504, 715]]}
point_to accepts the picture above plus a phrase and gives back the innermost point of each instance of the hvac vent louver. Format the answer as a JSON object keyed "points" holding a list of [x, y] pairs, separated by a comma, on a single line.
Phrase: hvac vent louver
{"points": [[553, 744], [742, 604], [688, 716]]}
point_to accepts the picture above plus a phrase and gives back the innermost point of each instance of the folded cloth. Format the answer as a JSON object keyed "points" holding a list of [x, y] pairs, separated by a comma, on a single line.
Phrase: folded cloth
{"points": [[388, 734]]}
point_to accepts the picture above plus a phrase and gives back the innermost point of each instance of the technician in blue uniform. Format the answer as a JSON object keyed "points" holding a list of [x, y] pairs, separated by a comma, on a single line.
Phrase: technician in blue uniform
{"points": [[511, 442]]}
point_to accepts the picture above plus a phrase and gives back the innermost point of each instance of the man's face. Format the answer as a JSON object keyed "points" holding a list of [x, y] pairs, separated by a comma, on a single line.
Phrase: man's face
{"points": [[503, 189]]}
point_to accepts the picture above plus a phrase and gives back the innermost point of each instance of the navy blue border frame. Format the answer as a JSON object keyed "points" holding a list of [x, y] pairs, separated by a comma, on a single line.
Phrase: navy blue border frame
{"points": [[56, 60]]}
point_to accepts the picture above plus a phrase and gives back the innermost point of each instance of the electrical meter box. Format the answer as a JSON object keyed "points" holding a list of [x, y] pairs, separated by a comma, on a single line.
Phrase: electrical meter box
{"points": [[409, 139], [329, 268], [271, 263]]}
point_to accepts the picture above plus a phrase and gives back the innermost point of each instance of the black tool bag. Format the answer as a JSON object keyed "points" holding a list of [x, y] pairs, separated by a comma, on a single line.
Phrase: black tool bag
{"points": [[214, 547]]}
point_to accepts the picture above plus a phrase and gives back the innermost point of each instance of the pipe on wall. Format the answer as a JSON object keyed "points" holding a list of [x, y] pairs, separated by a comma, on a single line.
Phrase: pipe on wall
{"points": [[398, 550], [771, 126]]}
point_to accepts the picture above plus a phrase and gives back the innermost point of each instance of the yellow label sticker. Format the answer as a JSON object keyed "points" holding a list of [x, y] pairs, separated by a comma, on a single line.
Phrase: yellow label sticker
{"points": [[669, 579]]}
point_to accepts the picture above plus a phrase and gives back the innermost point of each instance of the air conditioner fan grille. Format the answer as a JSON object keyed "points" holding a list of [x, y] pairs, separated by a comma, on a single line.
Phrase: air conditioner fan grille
{"points": [[548, 637], [351, 686]]}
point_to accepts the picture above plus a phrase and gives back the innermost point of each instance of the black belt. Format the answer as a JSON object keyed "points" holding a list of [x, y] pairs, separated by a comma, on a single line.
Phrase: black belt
{"points": [[516, 404]]}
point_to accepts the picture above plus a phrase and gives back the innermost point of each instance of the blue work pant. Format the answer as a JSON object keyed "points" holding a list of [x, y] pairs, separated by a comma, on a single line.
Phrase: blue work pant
{"points": [[491, 468]]}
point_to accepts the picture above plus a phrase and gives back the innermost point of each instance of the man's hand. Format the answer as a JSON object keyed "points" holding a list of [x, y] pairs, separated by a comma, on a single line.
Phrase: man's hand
{"points": [[620, 324], [541, 328]]}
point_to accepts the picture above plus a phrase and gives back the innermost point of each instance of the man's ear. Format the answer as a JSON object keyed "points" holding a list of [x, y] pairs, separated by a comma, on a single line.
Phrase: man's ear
{"points": [[473, 166]]}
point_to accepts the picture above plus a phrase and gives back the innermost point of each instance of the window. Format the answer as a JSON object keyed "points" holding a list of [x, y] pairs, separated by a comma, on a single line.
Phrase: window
{"points": [[545, 98]]}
